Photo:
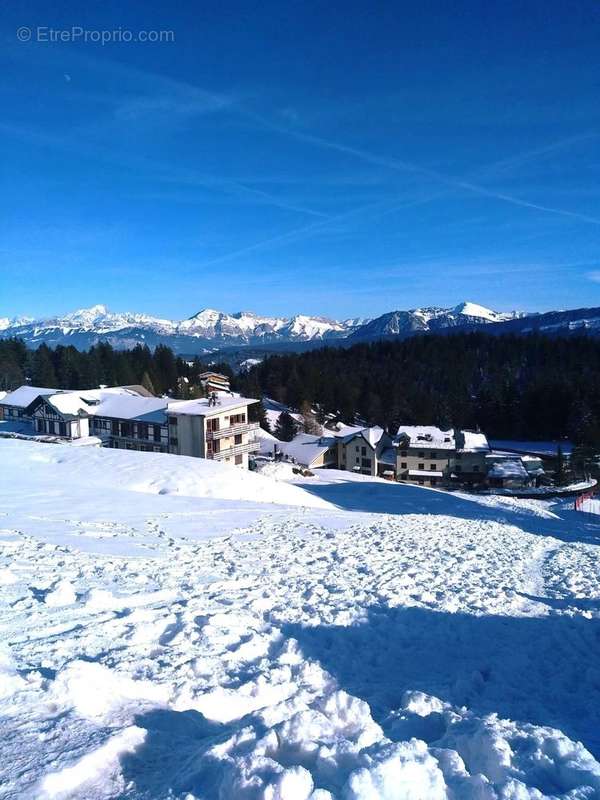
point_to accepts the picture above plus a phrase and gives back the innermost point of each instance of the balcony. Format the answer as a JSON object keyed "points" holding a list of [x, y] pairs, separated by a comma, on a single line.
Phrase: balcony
{"points": [[232, 430], [247, 447]]}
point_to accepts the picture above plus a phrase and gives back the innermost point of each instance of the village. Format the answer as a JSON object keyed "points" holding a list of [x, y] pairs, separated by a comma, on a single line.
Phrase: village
{"points": [[219, 427]]}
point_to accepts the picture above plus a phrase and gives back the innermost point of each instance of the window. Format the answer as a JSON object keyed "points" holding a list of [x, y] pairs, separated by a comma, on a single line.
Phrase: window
{"points": [[212, 424], [239, 460], [62, 429], [125, 429], [363, 451], [365, 463], [403, 465], [421, 455], [172, 420], [433, 467], [142, 430], [156, 433], [237, 419], [115, 428], [39, 423], [421, 466], [421, 483], [174, 441], [403, 453], [433, 455], [357, 460], [433, 481], [51, 428], [237, 438]]}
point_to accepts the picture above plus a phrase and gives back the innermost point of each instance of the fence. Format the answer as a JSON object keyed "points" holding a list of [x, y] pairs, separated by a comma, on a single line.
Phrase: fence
{"points": [[588, 503]]}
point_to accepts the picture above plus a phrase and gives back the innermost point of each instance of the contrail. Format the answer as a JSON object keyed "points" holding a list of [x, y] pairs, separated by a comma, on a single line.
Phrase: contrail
{"points": [[407, 166]]}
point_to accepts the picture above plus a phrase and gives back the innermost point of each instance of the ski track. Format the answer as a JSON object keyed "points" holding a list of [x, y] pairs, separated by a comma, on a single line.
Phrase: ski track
{"points": [[312, 653]]}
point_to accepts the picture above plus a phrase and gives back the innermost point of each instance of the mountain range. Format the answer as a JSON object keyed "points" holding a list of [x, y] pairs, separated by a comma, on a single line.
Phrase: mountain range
{"points": [[211, 330]]}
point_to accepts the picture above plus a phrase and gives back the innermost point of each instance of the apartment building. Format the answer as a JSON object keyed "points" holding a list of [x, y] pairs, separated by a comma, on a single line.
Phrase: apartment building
{"points": [[120, 417], [424, 454]]}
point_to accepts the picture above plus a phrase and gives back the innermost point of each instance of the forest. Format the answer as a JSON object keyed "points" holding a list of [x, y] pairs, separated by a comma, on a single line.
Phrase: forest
{"points": [[159, 371], [528, 387]]}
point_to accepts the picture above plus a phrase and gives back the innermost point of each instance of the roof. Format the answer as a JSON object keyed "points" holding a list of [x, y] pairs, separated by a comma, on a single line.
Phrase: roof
{"points": [[201, 407], [473, 442], [145, 409], [425, 473], [427, 437], [370, 435], [25, 395], [509, 468], [305, 448]]}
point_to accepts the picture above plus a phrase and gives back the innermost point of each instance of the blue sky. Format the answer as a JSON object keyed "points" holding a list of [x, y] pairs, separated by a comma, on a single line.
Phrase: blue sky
{"points": [[334, 158]]}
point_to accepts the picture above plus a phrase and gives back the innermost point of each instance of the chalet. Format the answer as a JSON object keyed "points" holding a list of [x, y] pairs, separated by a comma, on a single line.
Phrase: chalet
{"points": [[507, 471], [307, 450], [367, 451], [13, 406]]}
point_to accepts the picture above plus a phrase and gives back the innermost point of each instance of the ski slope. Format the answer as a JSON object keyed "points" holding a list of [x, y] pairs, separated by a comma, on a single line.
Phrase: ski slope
{"points": [[176, 628]]}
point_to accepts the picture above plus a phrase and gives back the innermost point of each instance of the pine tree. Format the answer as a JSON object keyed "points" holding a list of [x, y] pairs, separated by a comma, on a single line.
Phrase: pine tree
{"points": [[309, 420], [42, 368], [286, 427]]}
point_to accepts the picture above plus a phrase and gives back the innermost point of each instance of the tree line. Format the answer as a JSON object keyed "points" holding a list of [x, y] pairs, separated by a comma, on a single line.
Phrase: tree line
{"points": [[513, 386], [159, 371]]}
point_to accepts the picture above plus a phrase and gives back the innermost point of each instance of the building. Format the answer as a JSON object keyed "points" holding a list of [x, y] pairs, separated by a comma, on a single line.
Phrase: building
{"points": [[14, 404], [469, 463], [216, 427], [307, 450], [367, 451], [507, 471], [424, 454], [125, 418], [214, 382]]}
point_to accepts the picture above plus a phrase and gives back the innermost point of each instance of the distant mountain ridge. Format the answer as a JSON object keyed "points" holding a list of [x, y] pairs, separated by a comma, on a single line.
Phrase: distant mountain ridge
{"points": [[210, 330]]}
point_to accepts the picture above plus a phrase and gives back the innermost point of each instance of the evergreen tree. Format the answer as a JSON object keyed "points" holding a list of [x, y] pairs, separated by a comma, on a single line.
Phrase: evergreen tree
{"points": [[309, 419], [42, 368], [286, 427]]}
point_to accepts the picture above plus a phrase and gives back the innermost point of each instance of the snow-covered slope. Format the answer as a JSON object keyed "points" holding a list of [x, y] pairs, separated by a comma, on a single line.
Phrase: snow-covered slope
{"points": [[397, 643]]}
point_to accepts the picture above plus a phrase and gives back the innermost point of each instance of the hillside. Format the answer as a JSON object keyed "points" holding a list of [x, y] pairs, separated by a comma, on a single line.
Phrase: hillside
{"points": [[165, 636]]}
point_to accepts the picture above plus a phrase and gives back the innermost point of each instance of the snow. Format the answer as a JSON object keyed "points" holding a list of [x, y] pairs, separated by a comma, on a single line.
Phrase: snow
{"points": [[474, 442], [427, 437], [201, 407], [176, 628], [25, 395], [305, 448], [540, 448]]}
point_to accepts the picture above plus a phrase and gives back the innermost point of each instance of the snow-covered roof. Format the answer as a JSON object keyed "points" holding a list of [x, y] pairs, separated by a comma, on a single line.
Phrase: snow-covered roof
{"points": [[25, 395], [201, 407], [370, 435], [425, 473], [427, 437], [473, 442], [145, 409], [305, 448], [509, 468]]}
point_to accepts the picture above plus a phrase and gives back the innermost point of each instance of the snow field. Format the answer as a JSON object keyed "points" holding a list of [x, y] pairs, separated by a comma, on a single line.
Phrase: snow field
{"points": [[447, 651]]}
